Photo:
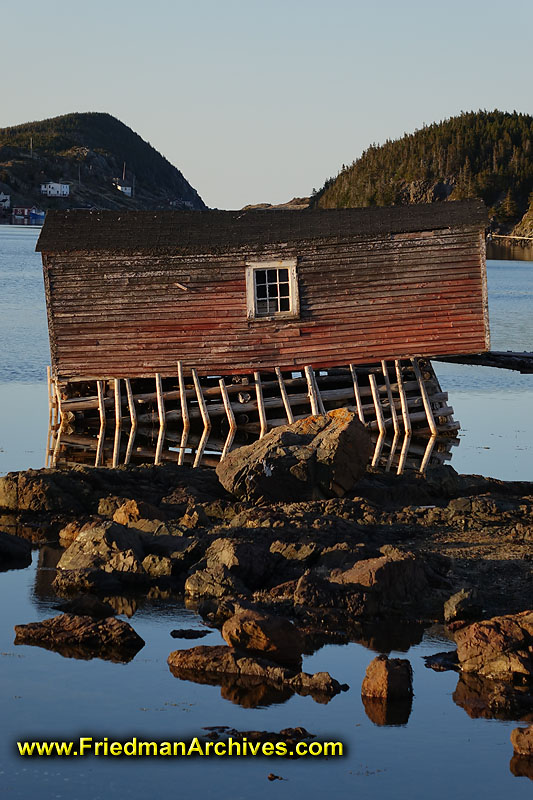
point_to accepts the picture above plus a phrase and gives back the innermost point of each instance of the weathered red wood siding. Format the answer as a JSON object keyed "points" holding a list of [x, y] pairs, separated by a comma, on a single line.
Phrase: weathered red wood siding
{"points": [[362, 299]]}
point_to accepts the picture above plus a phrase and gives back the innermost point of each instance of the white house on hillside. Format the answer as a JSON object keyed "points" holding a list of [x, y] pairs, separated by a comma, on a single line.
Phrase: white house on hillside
{"points": [[52, 189], [123, 187], [5, 200]]}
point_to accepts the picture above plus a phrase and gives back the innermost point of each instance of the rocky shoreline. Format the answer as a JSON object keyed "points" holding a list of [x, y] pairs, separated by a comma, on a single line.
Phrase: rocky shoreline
{"points": [[395, 553]]}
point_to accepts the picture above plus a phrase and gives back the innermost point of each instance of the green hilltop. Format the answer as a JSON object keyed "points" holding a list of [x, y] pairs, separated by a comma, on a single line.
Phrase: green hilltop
{"points": [[88, 151], [485, 154]]}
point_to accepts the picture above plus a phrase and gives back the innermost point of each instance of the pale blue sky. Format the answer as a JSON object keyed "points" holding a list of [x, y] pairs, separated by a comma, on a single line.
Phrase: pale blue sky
{"points": [[260, 101]]}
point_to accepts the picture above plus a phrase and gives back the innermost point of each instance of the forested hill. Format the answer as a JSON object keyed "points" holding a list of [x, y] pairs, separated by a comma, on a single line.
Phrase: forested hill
{"points": [[89, 151], [485, 154]]}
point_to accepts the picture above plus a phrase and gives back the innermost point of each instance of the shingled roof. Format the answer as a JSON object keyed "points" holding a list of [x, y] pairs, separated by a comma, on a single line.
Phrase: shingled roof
{"points": [[206, 231]]}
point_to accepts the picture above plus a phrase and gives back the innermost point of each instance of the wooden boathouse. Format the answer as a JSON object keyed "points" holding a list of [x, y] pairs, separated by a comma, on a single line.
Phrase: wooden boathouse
{"points": [[319, 299]]}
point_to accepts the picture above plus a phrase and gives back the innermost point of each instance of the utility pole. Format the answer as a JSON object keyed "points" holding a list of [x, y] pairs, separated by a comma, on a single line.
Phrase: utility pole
{"points": [[124, 172], [31, 147], [133, 186]]}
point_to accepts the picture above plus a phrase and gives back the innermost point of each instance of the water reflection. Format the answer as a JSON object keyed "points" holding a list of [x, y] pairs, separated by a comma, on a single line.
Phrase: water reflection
{"points": [[522, 766], [487, 699], [382, 712]]}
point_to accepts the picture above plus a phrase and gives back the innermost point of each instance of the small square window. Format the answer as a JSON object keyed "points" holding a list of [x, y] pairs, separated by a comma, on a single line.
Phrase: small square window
{"points": [[272, 289]]}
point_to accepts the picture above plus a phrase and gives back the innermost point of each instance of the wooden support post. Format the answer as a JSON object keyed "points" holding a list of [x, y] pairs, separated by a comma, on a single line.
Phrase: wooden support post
{"points": [[377, 404], [357, 393], [118, 422], [393, 449], [403, 454], [377, 450], [101, 434], [425, 399], [184, 414], [427, 454], [321, 407], [58, 424], [394, 416], [133, 420], [403, 399], [311, 391], [231, 419], [260, 405], [205, 418], [50, 415], [285, 396], [162, 419]]}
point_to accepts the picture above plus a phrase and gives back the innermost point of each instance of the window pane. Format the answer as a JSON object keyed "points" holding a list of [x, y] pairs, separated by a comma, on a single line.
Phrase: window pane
{"points": [[260, 276], [284, 304], [272, 306], [262, 308], [261, 292], [272, 275], [284, 289], [283, 274]]}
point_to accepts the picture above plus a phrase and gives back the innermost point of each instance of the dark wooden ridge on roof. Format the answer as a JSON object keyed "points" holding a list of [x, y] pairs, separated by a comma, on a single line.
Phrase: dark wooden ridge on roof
{"points": [[201, 231]]}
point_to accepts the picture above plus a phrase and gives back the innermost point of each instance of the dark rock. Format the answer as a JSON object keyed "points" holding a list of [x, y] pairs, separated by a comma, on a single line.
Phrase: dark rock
{"points": [[214, 582], [442, 662], [522, 741], [74, 581], [221, 660], [188, 633], [14, 551], [82, 637], [265, 635], [322, 456], [70, 532], [463, 605], [157, 566], [249, 560], [501, 647], [389, 678]]}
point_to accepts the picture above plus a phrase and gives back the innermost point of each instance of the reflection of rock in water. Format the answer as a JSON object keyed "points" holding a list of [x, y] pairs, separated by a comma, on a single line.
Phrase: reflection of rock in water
{"points": [[245, 692], [46, 572], [381, 711], [382, 637], [484, 698], [522, 766]]}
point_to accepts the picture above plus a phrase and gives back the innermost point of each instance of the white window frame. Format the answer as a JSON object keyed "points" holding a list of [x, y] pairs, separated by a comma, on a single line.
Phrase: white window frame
{"points": [[294, 297]]}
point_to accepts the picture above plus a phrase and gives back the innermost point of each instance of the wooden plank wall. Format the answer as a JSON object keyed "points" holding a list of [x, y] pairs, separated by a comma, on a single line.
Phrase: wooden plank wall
{"points": [[362, 300]]}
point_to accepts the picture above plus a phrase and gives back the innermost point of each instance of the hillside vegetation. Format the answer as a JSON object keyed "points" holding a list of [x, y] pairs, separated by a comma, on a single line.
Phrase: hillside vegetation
{"points": [[88, 151], [485, 154]]}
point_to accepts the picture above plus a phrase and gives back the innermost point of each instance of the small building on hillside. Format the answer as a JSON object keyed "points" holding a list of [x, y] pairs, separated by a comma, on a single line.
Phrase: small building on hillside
{"points": [[123, 187], [55, 189], [5, 200], [21, 212]]}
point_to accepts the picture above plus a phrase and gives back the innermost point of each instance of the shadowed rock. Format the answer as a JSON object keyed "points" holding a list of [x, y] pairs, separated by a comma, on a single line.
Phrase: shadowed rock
{"points": [[522, 766], [321, 456], [82, 637], [463, 605], [14, 552], [188, 633]]}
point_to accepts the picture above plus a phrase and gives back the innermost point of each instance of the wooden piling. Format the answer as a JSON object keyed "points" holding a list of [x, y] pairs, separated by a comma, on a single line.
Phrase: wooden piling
{"points": [[425, 399], [101, 434], [311, 391], [284, 396], [231, 419], [162, 418], [205, 418], [184, 414], [357, 394], [133, 421], [260, 404]]}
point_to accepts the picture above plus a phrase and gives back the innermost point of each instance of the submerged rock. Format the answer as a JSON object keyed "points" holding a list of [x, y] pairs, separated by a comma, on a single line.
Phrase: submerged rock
{"points": [[266, 635], [389, 678], [82, 637], [320, 456]]}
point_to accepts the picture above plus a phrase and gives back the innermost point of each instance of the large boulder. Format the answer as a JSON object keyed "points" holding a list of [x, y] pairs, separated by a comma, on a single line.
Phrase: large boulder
{"points": [[522, 741], [82, 637], [266, 635], [316, 457], [498, 648]]}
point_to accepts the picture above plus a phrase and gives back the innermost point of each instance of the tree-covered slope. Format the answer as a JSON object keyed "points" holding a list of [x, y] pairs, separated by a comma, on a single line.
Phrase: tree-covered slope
{"points": [[88, 151], [485, 154]]}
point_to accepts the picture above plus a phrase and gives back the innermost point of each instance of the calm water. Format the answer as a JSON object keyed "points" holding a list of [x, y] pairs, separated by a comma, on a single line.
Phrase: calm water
{"points": [[440, 752]]}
